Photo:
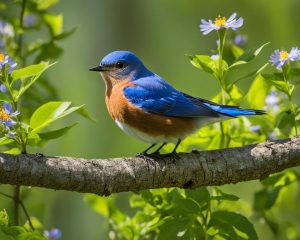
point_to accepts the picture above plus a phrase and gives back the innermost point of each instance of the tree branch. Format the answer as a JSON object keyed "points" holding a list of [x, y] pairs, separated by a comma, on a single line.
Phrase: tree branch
{"points": [[189, 170]]}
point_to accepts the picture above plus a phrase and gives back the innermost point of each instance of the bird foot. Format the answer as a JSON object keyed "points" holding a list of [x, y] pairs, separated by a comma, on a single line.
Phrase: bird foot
{"points": [[173, 155], [38, 155], [148, 156]]}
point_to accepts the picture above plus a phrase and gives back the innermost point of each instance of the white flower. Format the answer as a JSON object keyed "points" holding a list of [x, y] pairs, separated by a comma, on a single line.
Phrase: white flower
{"points": [[221, 22]]}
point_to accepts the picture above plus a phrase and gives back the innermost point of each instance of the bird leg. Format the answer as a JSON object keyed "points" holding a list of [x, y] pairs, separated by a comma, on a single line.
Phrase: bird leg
{"points": [[174, 153], [144, 153], [157, 150], [176, 146]]}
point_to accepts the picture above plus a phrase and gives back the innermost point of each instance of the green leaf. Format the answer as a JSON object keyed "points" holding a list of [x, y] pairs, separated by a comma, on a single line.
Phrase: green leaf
{"points": [[250, 54], [236, 50], [187, 206], [221, 196], [281, 179], [29, 71], [46, 136], [13, 151], [236, 93], [5, 140], [84, 113], [55, 23], [238, 221], [277, 80], [266, 198], [31, 236], [220, 228], [201, 62], [45, 4], [26, 83], [214, 65], [4, 219], [35, 223], [99, 204], [200, 195], [258, 92], [65, 34], [14, 230], [272, 180], [50, 112], [251, 74], [172, 226], [49, 51], [284, 119], [237, 63]]}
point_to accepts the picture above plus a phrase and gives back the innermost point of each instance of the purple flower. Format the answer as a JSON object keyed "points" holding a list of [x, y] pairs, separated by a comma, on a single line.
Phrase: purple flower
{"points": [[6, 29], [3, 88], [254, 128], [30, 20], [6, 113], [272, 99], [5, 59], [272, 136], [11, 134], [240, 40], [53, 234], [214, 57], [219, 23], [280, 58]]}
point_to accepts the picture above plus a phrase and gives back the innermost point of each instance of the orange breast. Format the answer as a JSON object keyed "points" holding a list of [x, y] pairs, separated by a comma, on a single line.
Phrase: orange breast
{"points": [[149, 123]]}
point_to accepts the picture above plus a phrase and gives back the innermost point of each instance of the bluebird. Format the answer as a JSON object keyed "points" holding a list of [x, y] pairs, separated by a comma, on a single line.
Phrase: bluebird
{"points": [[149, 108]]}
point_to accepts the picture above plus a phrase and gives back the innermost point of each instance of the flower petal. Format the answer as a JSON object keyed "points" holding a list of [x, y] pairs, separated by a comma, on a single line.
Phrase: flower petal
{"points": [[231, 17], [7, 107], [3, 88]]}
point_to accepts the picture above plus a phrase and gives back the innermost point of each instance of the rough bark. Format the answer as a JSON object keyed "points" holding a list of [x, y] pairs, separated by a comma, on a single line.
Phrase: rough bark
{"points": [[188, 170]]}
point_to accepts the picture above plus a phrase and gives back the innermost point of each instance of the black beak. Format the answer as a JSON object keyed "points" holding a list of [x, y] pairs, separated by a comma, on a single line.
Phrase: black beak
{"points": [[98, 69]]}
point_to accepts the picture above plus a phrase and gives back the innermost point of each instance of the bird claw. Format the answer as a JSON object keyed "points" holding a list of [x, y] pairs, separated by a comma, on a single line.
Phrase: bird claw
{"points": [[145, 156], [173, 155], [38, 155], [149, 158]]}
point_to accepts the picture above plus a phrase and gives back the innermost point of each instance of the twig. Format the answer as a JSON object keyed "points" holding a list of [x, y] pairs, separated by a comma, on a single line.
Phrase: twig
{"points": [[24, 210]]}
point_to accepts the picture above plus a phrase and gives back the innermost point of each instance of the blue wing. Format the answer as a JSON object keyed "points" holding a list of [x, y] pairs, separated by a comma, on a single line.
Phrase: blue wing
{"points": [[155, 95]]}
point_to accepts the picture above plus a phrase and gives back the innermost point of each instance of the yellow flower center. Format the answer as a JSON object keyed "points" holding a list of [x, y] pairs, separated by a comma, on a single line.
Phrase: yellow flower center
{"points": [[2, 57], [220, 21], [4, 116], [283, 55]]}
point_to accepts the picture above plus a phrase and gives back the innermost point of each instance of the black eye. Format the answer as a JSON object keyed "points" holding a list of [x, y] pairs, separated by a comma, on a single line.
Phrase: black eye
{"points": [[120, 64]]}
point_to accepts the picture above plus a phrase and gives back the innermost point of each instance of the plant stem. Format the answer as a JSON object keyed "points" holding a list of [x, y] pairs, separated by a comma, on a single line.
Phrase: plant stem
{"points": [[207, 218], [21, 19], [16, 204], [289, 93], [222, 36], [23, 208]]}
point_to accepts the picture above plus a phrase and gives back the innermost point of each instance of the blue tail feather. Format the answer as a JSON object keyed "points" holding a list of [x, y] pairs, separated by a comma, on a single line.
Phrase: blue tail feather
{"points": [[233, 111]]}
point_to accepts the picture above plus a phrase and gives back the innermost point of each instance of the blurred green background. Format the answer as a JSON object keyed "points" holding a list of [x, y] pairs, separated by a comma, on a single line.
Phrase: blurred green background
{"points": [[160, 33]]}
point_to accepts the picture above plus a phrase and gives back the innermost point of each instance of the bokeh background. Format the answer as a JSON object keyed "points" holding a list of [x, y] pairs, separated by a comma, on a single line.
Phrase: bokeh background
{"points": [[160, 33]]}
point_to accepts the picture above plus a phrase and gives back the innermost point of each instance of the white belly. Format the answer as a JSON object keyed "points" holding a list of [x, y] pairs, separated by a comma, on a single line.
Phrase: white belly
{"points": [[161, 138], [144, 136]]}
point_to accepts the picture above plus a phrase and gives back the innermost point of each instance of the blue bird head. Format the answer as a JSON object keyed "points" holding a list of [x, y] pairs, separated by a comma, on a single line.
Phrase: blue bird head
{"points": [[120, 65]]}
